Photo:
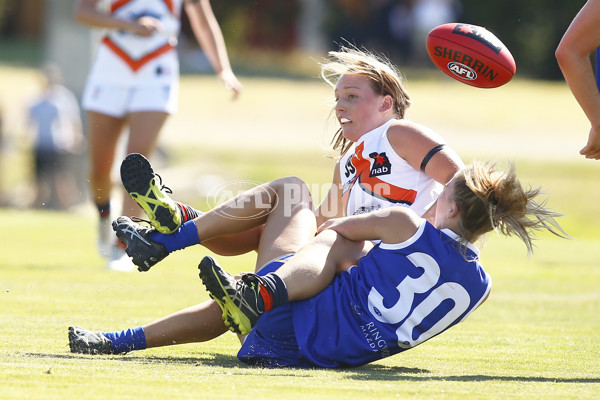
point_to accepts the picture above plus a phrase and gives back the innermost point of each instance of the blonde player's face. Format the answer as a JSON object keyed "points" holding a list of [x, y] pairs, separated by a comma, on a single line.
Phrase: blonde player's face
{"points": [[358, 108]]}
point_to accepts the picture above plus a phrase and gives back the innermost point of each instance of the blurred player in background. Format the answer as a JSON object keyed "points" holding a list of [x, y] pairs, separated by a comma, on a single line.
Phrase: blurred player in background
{"points": [[573, 53], [133, 84], [54, 122], [428, 275]]}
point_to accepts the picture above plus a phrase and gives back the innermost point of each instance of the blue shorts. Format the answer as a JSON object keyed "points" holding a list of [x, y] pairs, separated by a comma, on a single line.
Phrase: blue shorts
{"points": [[272, 341]]}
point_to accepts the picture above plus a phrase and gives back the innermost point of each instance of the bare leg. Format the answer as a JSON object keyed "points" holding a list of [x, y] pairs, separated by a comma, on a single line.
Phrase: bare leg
{"points": [[144, 128], [290, 224], [233, 245], [104, 133], [314, 266], [193, 324], [290, 227], [42, 191], [276, 205]]}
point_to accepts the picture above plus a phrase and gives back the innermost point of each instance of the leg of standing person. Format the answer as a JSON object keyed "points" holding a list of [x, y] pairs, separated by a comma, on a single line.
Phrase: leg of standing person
{"points": [[41, 178], [144, 128], [104, 133]]}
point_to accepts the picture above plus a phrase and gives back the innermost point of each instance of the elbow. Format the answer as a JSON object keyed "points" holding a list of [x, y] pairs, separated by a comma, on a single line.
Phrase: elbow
{"points": [[83, 14], [78, 12], [561, 54], [570, 53], [80, 17]]}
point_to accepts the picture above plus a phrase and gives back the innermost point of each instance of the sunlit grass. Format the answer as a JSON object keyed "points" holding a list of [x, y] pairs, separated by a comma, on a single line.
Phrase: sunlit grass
{"points": [[536, 337]]}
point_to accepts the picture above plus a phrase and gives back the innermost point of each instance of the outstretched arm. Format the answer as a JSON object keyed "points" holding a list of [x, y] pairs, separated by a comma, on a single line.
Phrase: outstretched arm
{"points": [[573, 55], [87, 13], [209, 35]]}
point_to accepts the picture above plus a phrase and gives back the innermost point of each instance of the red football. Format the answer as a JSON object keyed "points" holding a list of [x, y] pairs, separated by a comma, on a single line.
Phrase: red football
{"points": [[470, 54]]}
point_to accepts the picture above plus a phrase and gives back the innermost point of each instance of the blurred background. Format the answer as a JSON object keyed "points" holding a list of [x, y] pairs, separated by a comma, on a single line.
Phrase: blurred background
{"points": [[34, 30], [270, 40]]}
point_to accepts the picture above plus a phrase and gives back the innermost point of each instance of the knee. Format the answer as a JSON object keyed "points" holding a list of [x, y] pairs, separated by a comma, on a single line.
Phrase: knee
{"points": [[343, 252], [292, 189], [290, 182], [333, 239]]}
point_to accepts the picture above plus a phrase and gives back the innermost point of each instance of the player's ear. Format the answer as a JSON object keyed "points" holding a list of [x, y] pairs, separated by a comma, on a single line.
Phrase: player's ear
{"points": [[452, 209], [387, 103]]}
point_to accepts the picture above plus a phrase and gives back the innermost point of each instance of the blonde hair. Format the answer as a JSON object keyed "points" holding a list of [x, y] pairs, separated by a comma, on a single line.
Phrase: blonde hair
{"points": [[385, 80], [489, 198]]}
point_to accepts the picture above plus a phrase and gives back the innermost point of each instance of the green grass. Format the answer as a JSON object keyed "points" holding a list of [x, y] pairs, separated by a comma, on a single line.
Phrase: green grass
{"points": [[537, 336]]}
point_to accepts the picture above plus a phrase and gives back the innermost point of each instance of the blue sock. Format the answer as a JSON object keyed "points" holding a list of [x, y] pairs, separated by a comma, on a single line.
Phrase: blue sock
{"points": [[276, 288], [127, 340], [185, 236]]}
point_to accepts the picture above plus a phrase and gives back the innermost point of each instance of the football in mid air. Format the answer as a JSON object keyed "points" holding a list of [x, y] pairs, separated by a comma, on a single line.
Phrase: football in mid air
{"points": [[470, 54]]}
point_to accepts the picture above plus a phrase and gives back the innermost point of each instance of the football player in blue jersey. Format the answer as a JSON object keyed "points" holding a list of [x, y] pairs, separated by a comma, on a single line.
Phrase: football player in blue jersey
{"points": [[364, 288]]}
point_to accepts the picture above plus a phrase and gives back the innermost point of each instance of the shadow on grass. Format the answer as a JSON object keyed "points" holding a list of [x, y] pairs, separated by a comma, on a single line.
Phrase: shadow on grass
{"points": [[375, 372], [371, 372], [209, 360]]}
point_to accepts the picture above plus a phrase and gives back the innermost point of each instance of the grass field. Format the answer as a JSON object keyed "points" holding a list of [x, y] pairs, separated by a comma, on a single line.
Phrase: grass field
{"points": [[537, 337]]}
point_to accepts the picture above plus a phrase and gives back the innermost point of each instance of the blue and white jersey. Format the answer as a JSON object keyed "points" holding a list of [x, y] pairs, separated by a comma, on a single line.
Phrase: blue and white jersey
{"points": [[398, 296]]}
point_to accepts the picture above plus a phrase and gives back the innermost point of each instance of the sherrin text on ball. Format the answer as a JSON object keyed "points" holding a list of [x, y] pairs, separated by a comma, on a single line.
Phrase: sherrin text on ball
{"points": [[470, 54]]}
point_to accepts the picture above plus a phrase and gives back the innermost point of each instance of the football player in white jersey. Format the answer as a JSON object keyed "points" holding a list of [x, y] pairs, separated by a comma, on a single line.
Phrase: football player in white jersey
{"points": [[133, 84], [386, 159]]}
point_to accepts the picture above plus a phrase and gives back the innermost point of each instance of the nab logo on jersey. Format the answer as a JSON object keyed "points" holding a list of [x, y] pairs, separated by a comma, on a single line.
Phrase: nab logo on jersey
{"points": [[462, 71], [381, 165]]}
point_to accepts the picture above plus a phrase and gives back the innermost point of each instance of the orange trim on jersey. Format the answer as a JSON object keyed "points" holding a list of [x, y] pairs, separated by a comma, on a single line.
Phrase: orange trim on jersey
{"points": [[115, 6], [118, 4], [170, 6], [136, 64], [373, 185]]}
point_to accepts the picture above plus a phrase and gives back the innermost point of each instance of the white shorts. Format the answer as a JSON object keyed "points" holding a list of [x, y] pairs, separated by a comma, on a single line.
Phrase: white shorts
{"points": [[118, 101]]}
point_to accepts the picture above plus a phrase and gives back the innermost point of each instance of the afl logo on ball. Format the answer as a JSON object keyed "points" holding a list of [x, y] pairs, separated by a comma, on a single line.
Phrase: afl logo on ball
{"points": [[462, 71]]}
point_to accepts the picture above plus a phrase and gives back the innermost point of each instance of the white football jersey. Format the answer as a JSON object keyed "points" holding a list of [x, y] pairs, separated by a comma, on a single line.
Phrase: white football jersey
{"points": [[123, 58], [374, 176]]}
